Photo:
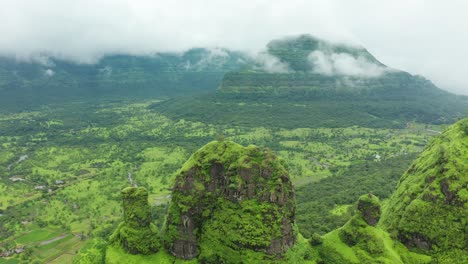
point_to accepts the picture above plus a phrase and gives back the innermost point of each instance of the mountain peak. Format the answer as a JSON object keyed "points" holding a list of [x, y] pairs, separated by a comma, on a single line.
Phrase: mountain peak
{"points": [[305, 53]]}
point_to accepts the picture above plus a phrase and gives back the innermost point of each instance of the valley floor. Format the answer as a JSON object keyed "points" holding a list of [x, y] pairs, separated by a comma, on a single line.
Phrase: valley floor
{"points": [[62, 168]]}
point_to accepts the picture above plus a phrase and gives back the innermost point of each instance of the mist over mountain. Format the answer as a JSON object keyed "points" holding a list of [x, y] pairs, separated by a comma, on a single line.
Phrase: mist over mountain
{"points": [[116, 76], [396, 32], [236, 132], [307, 81], [300, 67]]}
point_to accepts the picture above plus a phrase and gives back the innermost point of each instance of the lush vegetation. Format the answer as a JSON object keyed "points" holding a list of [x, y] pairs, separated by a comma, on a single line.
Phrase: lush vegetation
{"points": [[428, 210], [92, 148], [229, 201], [329, 208], [63, 165], [52, 80], [136, 234]]}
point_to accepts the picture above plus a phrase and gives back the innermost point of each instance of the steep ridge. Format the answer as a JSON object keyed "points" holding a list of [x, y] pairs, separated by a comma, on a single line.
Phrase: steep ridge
{"points": [[429, 209], [360, 240]]}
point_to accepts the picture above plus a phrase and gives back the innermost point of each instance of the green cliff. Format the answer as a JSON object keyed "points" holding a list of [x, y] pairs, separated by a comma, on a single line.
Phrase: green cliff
{"points": [[235, 204], [230, 202], [136, 234], [428, 211]]}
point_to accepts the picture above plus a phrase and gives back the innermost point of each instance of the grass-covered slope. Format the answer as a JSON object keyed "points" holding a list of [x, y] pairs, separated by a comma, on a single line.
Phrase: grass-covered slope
{"points": [[429, 209], [361, 241]]}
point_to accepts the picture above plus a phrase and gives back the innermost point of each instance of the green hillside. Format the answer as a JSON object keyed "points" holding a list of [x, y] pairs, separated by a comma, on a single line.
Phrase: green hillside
{"points": [[428, 211], [26, 84], [111, 162], [234, 204], [299, 95]]}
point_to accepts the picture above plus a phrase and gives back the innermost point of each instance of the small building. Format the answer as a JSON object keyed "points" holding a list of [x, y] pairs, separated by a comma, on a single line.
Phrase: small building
{"points": [[16, 179], [59, 182], [19, 250]]}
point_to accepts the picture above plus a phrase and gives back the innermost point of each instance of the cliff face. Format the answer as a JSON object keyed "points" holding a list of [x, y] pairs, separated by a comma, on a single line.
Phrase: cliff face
{"points": [[136, 234], [230, 200], [429, 209]]}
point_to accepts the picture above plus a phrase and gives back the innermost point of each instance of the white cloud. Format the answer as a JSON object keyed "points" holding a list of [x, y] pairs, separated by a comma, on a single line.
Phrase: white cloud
{"points": [[267, 62], [344, 64], [215, 56], [428, 37], [49, 73]]}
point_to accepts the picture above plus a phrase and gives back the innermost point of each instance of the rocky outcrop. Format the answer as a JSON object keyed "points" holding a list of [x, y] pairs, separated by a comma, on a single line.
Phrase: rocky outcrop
{"points": [[229, 198], [136, 234], [369, 208]]}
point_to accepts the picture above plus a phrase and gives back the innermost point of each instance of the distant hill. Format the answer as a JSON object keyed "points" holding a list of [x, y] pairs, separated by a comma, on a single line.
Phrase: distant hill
{"points": [[297, 81], [308, 82], [162, 74]]}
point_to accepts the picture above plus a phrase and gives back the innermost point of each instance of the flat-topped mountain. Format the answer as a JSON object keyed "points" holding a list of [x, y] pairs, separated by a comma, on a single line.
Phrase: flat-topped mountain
{"points": [[303, 81]]}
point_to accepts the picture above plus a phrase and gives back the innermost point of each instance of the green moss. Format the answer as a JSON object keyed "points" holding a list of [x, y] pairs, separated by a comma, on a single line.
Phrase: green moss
{"points": [[301, 252], [428, 210], [369, 208], [316, 239], [116, 255], [230, 201], [93, 252], [136, 234], [359, 241]]}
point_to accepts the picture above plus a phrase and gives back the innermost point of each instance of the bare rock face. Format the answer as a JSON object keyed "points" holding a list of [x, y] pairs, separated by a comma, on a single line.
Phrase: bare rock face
{"points": [[136, 234], [228, 199]]}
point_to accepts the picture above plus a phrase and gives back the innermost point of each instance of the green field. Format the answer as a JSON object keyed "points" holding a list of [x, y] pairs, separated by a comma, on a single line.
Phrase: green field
{"points": [[81, 155]]}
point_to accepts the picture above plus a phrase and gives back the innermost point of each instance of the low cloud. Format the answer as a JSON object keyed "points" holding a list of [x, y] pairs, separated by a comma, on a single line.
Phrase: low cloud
{"points": [[397, 32], [214, 57], [328, 63], [49, 73], [267, 62]]}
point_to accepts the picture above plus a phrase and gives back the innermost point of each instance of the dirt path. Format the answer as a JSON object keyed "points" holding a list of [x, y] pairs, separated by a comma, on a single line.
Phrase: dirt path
{"points": [[51, 240]]}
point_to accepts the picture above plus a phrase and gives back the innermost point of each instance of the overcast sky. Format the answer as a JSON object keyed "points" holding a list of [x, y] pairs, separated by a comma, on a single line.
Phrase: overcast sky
{"points": [[420, 36]]}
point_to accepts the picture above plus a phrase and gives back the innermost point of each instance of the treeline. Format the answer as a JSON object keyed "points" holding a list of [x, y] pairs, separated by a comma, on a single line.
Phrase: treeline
{"points": [[315, 201], [292, 111]]}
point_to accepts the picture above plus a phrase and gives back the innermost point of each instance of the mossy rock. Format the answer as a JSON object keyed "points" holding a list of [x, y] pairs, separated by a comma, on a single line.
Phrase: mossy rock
{"points": [[136, 234], [229, 201], [137, 212], [369, 208]]}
